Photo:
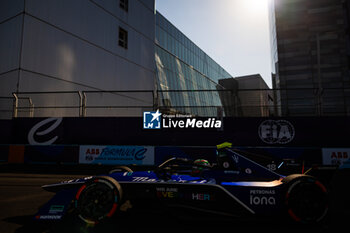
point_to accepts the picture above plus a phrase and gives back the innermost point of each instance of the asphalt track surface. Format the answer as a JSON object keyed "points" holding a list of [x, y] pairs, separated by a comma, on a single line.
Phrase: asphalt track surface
{"points": [[21, 196]]}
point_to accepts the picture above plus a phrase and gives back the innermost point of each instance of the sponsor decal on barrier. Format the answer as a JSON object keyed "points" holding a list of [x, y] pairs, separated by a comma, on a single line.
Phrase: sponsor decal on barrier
{"points": [[42, 129], [346, 165], [335, 156], [157, 120], [276, 131], [139, 155]]}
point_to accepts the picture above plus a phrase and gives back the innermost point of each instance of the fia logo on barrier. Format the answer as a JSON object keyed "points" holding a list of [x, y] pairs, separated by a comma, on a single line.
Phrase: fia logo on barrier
{"points": [[276, 131], [151, 120]]}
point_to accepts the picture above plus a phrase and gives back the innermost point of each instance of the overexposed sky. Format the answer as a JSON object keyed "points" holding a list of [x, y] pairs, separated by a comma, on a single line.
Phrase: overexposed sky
{"points": [[235, 33]]}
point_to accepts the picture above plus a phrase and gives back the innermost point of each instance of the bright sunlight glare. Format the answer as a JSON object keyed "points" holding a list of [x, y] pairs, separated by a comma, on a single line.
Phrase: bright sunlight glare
{"points": [[255, 6]]}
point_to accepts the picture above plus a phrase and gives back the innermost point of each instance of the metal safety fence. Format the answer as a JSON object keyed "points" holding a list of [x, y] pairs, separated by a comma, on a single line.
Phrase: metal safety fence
{"points": [[206, 103]]}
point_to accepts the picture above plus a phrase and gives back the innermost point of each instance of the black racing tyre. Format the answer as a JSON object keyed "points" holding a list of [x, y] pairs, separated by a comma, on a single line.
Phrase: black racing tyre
{"points": [[306, 199], [98, 199], [120, 169]]}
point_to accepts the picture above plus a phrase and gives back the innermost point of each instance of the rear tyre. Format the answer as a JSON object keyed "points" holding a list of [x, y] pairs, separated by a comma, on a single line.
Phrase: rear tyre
{"points": [[97, 200], [306, 199]]}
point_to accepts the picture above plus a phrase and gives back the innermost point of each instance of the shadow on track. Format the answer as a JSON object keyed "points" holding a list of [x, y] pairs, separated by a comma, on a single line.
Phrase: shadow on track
{"points": [[167, 222]]}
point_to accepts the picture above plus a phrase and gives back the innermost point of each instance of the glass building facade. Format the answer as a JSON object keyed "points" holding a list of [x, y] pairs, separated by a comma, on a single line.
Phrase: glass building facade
{"points": [[311, 56], [186, 76]]}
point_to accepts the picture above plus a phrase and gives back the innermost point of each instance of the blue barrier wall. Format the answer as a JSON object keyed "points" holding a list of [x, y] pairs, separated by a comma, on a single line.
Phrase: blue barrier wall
{"points": [[270, 132], [58, 140]]}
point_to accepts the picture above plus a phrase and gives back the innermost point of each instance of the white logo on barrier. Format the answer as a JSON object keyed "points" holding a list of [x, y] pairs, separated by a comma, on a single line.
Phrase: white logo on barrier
{"points": [[34, 131], [276, 131]]}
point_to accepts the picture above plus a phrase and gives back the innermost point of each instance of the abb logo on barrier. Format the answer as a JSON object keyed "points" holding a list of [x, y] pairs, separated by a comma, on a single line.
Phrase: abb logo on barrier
{"points": [[335, 156], [339, 155], [92, 151]]}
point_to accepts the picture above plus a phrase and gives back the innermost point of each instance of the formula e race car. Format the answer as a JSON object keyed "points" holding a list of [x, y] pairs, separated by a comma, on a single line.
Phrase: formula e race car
{"points": [[233, 185]]}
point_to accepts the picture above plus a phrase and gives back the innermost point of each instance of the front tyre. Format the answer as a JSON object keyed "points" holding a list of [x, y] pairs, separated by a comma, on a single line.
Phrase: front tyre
{"points": [[98, 199], [306, 199]]}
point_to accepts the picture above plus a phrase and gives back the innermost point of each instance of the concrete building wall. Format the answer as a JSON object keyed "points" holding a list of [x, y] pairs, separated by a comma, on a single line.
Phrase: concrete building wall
{"points": [[255, 97], [64, 45], [11, 22], [247, 96]]}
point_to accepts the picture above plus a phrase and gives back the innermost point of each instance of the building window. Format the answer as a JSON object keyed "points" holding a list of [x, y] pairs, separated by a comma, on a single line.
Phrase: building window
{"points": [[124, 4], [123, 38]]}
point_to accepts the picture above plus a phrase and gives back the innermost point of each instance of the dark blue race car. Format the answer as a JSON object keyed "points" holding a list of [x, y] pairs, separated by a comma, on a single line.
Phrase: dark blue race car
{"points": [[233, 185]]}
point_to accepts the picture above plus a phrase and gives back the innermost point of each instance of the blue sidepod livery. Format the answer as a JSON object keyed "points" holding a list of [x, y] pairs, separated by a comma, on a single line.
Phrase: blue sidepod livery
{"points": [[233, 185]]}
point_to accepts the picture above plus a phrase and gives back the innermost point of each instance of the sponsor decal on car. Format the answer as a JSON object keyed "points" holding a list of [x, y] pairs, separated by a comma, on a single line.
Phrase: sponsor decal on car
{"points": [[262, 197], [54, 209], [201, 196], [49, 217], [163, 192], [173, 193], [143, 179]]}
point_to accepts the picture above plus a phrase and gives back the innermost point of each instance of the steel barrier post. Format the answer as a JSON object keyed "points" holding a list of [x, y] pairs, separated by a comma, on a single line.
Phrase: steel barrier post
{"points": [[80, 104], [84, 105], [15, 105]]}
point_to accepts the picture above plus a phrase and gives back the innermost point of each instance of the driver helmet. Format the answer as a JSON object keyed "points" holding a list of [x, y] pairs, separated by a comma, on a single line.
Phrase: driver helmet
{"points": [[199, 165]]}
